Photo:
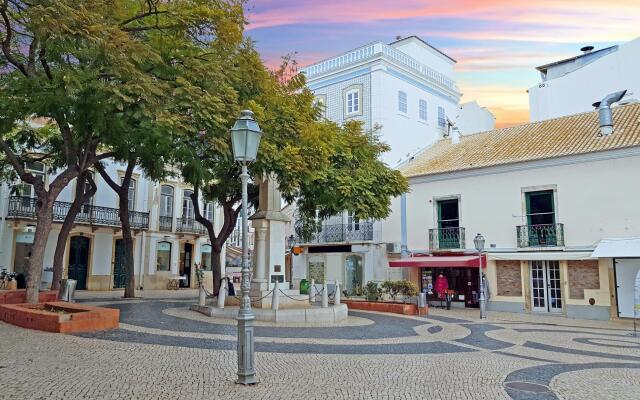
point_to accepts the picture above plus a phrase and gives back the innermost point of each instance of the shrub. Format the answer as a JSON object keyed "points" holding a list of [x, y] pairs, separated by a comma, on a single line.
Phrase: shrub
{"points": [[404, 287], [372, 291]]}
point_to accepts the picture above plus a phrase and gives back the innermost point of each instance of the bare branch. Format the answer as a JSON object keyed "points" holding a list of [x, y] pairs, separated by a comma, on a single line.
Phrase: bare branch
{"points": [[6, 43]]}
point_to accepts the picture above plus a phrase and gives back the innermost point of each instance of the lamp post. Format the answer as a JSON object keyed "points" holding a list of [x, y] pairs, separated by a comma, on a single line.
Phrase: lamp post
{"points": [[479, 243], [245, 140], [291, 243]]}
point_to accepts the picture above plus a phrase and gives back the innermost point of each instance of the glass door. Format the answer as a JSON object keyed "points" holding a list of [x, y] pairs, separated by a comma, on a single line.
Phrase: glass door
{"points": [[546, 289]]}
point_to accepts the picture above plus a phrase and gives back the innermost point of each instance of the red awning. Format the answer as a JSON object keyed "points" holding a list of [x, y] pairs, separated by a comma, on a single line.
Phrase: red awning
{"points": [[440, 262]]}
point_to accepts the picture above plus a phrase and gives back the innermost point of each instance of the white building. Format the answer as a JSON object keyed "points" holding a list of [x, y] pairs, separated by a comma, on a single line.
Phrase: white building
{"points": [[407, 89], [544, 195], [167, 239], [572, 85], [472, 118]]}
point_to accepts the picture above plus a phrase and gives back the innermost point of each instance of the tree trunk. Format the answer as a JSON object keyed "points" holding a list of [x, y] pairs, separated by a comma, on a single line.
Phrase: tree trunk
{"points": [[216, 268], [127, 238], [67, 225], [44, 215]]}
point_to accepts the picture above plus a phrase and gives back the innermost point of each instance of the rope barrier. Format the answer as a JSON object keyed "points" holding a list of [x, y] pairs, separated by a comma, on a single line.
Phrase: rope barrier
{"points": [[286, 295]]}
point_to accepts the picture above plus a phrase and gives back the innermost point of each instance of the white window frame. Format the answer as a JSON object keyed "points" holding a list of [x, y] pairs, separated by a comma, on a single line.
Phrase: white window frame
{"points": [[132, 193], [36, 172], [422, 110], [163, 205], [442, 117], [209, 211], [403, 102], [187, 205], [352, 108], [321, 102]]}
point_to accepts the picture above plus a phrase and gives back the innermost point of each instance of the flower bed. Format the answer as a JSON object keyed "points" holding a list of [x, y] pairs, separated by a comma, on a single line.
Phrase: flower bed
{"points": [[60, 317], [20, 296], [382, 306]]}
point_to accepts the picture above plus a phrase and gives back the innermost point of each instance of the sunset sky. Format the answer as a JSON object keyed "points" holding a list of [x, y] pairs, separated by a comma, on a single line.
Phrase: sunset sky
{"points": [[497, 43]]}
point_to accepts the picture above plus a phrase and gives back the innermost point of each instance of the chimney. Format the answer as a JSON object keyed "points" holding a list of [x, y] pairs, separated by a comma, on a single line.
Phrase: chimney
{"points": [[604, 111], [586, 49], [398, 37]]}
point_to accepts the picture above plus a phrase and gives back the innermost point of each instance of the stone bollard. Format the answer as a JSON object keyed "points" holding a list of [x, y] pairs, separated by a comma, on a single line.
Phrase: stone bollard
{"points": [[202, 297], [325, 295], [222, 293], [312, 292], [275, 300], [336, 296]]}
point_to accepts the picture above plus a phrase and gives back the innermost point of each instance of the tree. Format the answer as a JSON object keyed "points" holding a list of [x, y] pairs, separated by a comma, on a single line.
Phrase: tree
{"points": [[89, 68], [82, 195], [319, 164]]}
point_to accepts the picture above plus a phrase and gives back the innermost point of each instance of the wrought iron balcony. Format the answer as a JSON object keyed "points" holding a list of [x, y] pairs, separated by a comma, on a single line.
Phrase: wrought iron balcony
{"points": [[190, 225], [548, 235], [446, 238], [336, 233], [25, 207], [165, 224]]}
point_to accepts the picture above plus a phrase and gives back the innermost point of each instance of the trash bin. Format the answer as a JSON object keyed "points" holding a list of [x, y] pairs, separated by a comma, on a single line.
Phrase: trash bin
{"points": [[304, 286], [67, 289]]}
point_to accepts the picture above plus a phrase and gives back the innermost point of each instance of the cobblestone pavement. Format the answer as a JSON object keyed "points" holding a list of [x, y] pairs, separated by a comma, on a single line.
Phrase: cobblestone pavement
{"points": [[164, 351]]}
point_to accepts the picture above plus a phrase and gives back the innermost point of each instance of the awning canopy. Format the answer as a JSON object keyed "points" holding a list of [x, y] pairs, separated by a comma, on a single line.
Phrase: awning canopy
{"points": [[440, 262], [617, 247], [542, 255]]}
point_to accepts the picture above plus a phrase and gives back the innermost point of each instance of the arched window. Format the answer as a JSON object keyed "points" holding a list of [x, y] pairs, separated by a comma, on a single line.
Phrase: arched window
{"points": [[353, 276], [206, 257], [163, 256]]}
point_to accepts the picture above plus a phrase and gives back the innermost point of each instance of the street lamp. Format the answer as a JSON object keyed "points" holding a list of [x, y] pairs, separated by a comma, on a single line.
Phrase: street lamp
{"points": [[291, 242], [245, 140], [479, 243]]}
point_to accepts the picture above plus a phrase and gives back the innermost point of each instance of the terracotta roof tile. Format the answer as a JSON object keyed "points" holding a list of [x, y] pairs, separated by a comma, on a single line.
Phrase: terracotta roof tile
{"points": [[571, 135]]}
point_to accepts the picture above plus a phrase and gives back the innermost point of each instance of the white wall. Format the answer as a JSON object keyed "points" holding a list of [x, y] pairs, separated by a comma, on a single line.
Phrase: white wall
{"points": [[471, 118], [577, 91], [595, 199], [426, 55]]}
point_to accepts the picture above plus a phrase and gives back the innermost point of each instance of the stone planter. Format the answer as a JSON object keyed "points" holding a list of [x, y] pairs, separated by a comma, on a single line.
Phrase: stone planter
{"points": [[382, 306], [60, 317], [20, 296]]}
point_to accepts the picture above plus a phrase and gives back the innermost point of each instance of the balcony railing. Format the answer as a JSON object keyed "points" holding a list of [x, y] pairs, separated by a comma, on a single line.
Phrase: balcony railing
{"points": [[335, 233], [548, 235], [25, 207], [165, 224], [190, 225], [375, 50], [446, 238]]}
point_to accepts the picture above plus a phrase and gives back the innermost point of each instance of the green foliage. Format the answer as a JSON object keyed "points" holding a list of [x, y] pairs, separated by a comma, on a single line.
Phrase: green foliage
{"points": [[405, 288], [373, 291]]}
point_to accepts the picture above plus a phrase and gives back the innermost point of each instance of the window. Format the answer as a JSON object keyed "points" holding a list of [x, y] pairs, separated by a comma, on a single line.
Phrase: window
{"points": [[448, 224], [353, 102], [187, 205], [353, 222], [541, 228], [353, 273], [540, 208], [87, 188], [422, 109], [37, 169], [131, 194], [205, 259], [402, 101], [209, 210], [320, 102], [441, 117], [166, 201], [163, 256]]}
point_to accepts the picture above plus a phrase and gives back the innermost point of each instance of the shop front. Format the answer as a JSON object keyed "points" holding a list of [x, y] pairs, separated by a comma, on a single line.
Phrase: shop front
{"points": [[448, 281]]}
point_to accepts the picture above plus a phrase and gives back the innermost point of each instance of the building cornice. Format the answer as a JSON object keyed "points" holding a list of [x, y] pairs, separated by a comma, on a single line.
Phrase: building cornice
{"points": [[529, 165]]}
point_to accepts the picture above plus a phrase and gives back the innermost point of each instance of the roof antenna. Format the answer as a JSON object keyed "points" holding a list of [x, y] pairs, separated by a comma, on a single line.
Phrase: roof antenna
{"points": [[604, 111]]}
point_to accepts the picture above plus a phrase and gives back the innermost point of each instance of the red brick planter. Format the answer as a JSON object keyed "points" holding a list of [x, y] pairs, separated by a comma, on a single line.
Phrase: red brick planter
{"points": [[60, 317], [381, 306], [20, 296]]}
